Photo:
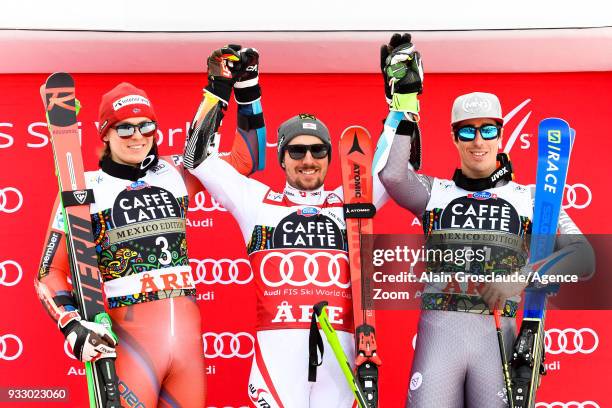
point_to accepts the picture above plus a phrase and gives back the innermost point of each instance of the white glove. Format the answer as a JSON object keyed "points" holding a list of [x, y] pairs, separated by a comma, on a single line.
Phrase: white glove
{"points": [[89, 340]]}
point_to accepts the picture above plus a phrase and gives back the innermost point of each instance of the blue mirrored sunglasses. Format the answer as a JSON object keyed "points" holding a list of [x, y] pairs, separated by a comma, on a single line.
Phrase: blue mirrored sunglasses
{"points": [[468, 133]]}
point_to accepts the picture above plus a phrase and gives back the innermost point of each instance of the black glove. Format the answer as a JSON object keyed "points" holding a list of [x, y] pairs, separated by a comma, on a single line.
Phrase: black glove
{"points": [[246, 88], [402, 71], [223, 69]]}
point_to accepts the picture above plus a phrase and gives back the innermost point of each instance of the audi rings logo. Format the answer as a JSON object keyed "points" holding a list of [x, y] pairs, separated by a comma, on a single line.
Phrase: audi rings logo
{"points": [[321, 269], [11, 347], [201, 204], [571, 341], [11, 200], [228, 345], [68, 350], [570, 404], [577, 196], [224, 271], [10, 273]]}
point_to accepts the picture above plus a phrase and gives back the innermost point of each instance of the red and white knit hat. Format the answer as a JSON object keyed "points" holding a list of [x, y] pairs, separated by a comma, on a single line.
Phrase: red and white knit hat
{"points": [[122, 102]]}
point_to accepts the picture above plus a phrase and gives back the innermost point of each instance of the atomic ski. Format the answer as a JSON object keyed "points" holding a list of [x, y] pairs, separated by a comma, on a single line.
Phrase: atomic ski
{"points": [[60, 105], [356, 155], [527, 363]]}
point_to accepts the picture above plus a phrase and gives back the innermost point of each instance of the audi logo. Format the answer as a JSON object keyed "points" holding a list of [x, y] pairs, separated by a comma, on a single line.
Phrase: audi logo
{"points": [[571, 341], [577, 196], [5, 272], [224, 271], [201, 204], [11, 200], [570, 404], [308, 264], [228, 345], [11, 347]]}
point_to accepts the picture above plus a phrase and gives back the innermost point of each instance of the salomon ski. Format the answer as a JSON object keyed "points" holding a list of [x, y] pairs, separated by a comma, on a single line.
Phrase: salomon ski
{"points": [[527, 364], [60, 104]]}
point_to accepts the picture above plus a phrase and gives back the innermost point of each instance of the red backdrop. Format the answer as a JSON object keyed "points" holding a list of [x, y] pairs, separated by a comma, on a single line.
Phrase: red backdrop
{"points": [[32, 350]]}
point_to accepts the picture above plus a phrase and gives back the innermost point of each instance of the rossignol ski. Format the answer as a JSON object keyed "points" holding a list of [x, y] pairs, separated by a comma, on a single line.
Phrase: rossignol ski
{"points": [[60, 105], [356, 154], [527, 363]]}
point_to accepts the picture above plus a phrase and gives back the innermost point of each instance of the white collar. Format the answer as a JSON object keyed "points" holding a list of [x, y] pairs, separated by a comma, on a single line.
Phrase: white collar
{"points": [[312, 197]]}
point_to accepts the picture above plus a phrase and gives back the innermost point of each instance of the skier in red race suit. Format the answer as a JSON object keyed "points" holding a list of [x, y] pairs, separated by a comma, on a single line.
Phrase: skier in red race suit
{"points": [[297, 247], [457, 362], [138, 221]]}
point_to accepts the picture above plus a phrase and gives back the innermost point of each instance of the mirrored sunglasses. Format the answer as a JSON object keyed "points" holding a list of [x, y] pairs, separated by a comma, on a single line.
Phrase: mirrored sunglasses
{"points": [[127, 130], [468, 133]]}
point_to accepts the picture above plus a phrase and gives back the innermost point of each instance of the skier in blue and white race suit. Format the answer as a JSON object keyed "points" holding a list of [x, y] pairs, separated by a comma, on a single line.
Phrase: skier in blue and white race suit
{"points": [[457, 361]]}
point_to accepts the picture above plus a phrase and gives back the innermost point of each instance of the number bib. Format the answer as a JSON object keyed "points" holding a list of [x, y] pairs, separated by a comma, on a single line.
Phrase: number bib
{"points": [[473, 233], [139, 231]]}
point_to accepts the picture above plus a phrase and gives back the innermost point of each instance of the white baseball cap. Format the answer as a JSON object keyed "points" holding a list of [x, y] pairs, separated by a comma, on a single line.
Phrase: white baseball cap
{"points": [[476, 105]]}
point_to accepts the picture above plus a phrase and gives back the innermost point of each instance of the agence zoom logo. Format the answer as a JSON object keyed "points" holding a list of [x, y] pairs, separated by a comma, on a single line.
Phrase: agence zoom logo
{"points": [[10, 273], [11, 347], [201, 204], [11, 200], [228, 345], [570, 404]]}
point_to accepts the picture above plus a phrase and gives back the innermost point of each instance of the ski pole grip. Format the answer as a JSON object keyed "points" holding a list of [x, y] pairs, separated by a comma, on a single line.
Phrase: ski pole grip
{"points": [[318, 308], [496, 315]]}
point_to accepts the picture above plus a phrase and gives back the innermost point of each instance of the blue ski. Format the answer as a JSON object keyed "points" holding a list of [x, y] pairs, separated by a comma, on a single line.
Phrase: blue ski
{"points": [[554, 147]]}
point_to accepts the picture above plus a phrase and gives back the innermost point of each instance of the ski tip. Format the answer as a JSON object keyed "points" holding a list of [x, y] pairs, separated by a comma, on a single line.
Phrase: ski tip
{"points": [[59, 79], [355, 129], [554, 122]]}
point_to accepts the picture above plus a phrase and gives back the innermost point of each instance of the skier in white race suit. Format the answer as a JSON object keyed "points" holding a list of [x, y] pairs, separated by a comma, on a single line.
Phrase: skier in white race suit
{"points": [[457, 360], [297, 247]]}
